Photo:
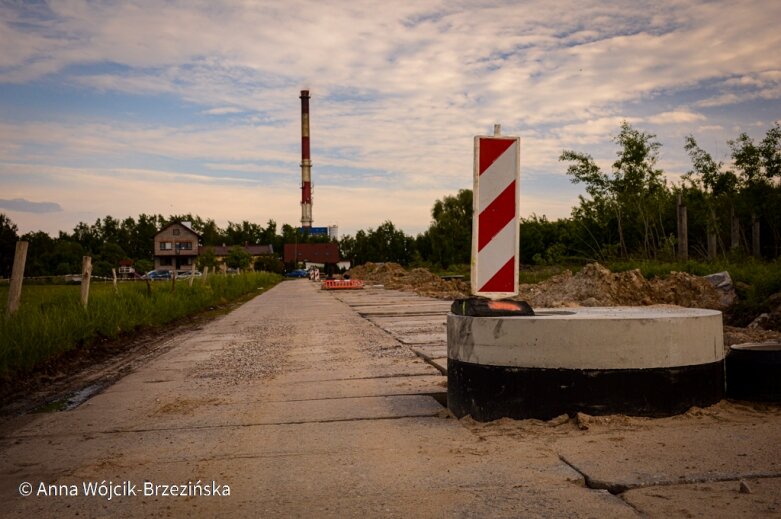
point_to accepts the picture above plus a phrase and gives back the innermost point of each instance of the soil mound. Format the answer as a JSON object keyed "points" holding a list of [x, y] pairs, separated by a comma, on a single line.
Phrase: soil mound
{"points": [[595, 285], [418, 280]]}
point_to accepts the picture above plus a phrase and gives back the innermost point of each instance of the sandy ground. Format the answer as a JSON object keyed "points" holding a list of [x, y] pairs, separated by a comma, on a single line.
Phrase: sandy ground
{"points": [[308, 404]]}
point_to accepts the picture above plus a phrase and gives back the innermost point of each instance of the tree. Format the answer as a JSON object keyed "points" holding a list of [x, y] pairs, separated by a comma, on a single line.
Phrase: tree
{"points": [[238, 258], [448, 239], [269, 263], [758, 165], [39, 253], [718, 186], [207, 259], [635, 192], [8, 239]]}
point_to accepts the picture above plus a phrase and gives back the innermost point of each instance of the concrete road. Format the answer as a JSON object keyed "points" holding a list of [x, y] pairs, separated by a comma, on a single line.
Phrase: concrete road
{"points": [[298, 405]]}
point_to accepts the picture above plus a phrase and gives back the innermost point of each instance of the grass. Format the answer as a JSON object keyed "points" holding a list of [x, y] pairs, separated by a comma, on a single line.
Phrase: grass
{"points": [[52, 321]]}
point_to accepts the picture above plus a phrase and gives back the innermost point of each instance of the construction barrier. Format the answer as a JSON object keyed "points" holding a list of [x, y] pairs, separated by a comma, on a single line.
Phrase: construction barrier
{"points": [[341, 284]]}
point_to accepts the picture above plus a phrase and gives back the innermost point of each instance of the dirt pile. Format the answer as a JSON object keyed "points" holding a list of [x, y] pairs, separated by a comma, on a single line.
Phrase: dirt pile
{"points": [[418, 280], [595, 285]]}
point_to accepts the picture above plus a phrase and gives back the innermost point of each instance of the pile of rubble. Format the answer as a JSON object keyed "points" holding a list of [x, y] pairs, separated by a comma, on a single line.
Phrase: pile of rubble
{"points": [[418, 280], [595, 285]]}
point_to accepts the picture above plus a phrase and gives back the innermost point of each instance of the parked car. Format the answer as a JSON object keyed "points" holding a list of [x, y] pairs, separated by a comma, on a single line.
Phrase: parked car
{"points": [[158, 275], [298, 273], [187, 273]]}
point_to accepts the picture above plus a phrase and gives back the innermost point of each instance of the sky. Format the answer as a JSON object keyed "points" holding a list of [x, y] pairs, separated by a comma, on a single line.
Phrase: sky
{"points": [[127, 107]]}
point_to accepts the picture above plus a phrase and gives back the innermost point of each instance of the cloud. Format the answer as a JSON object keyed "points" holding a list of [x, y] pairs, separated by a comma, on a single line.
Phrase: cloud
{"points": [[398, 91], [223, 110], [26, 206], [675, 117]]}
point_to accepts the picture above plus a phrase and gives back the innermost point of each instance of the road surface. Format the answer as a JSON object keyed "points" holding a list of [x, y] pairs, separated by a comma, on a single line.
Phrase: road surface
{"points": [[305, 403]]}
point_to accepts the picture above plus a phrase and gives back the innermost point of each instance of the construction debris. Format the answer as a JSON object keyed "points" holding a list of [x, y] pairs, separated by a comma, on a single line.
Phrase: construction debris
{"points": [[418, 280], [595, 285]]}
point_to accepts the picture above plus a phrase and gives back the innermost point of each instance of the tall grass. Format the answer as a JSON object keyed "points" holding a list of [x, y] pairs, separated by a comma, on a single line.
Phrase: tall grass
{"points": [[52, 321]]}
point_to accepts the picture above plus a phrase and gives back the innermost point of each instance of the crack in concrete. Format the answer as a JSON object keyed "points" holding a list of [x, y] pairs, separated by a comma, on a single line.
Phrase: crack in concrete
{"points": [[89, 434], [429, 360], [433, 394], [395, 375], [619, 488]]}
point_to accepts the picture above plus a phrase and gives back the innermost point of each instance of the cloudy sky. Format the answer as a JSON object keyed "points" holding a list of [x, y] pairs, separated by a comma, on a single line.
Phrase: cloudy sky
{"points": [[131, 107]]}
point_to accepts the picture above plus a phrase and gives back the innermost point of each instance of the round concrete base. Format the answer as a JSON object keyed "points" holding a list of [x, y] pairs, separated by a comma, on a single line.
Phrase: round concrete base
{"points": [[649, 361], [754, 371]]}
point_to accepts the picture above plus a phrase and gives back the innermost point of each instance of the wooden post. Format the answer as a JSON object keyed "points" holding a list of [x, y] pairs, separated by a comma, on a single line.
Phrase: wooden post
{"points": [[173, 280], [205, 273], [755, 250], [114, 275], [192, 274], [17, 276], [224, 268], [148, 287], [86, 273], [712, 243], [683, 231], [734, 231]]}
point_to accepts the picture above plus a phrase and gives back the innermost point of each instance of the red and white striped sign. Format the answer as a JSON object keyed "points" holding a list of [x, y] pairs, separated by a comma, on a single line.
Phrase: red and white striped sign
{"points": [[495, 237]]}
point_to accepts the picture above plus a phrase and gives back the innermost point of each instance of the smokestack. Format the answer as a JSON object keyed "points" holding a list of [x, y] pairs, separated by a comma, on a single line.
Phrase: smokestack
{"points": [[306, 164]]}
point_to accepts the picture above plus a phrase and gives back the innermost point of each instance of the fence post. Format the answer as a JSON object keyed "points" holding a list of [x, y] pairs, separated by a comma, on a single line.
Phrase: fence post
{"points": [[173, 280], [192, 274], [86, 273], [17, 276], [683, 231], [734, 233], [755, 243], [205, 273], [114, 275]]}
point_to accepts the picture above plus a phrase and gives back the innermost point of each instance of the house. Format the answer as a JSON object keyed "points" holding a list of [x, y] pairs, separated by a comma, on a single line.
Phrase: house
{"points": [[176, 246], [320, 254], [222, 251]]}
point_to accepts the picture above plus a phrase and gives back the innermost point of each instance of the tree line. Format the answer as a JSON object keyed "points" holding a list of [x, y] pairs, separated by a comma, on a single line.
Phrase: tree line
{"points": [[110, 240], [629, 211]]}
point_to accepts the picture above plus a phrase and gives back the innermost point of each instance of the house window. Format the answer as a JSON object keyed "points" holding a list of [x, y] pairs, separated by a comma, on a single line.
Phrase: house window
{"points": [[176, 232], [166, 245], [184, 245], [166, 262]]}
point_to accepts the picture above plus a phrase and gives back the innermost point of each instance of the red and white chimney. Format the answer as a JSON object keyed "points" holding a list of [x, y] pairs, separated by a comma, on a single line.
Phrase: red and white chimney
{"points": [[306, 164]]}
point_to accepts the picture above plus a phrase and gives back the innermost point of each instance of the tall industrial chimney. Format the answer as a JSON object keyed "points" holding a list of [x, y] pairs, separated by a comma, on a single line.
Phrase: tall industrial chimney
{"points": [[306, 164]]}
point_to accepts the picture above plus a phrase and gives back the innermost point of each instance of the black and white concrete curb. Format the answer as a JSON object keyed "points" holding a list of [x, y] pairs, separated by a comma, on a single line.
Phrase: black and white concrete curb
{"points": [[645, 361]]}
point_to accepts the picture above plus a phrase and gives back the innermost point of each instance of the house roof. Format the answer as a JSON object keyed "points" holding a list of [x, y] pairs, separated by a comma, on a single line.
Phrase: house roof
{"points": [[224, 250], [314, 252], [179, 223]]}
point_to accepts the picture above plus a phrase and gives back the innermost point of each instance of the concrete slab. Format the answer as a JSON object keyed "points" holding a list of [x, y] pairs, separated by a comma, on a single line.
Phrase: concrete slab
{"points": [[420, 338], [405, 309], [411, 320], [621, 460], [438, 350], [716, 499], [339, 469], [412, 326], [176, 413]]}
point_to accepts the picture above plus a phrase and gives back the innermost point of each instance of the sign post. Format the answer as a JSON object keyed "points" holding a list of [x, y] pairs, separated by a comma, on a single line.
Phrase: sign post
{"points": [[495, 233]]}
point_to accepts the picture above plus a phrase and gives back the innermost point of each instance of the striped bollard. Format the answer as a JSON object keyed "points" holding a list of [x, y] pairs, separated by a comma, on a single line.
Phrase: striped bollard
{"points": [[495, 235]]}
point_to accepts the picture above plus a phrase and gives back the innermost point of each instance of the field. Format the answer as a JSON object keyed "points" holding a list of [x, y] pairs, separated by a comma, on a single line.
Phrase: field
{"points": [[52, 321]]}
